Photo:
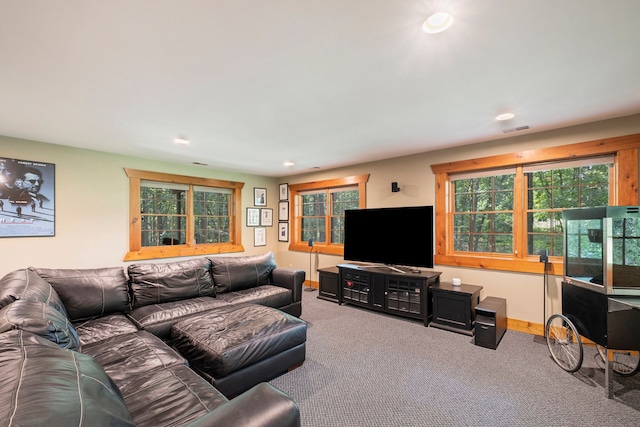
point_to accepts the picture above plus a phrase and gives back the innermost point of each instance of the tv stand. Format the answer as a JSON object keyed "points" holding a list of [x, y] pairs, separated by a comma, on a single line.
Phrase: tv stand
{"points": [[390, 267], [401, 293]]}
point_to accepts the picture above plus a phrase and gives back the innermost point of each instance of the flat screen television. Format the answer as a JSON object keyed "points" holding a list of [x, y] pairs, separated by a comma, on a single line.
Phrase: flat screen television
{"points": [[392, 236]]}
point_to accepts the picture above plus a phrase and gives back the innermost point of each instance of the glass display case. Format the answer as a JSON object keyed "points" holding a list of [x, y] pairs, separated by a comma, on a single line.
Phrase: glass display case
{"points": [[602, 248]]}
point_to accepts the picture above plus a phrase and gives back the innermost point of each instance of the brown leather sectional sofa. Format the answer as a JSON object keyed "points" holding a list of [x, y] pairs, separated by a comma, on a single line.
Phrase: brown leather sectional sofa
{"points": [[96, 347]]}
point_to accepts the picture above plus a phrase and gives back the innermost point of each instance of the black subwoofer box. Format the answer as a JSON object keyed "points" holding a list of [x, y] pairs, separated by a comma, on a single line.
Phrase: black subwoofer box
{"points": [[491, 322]]}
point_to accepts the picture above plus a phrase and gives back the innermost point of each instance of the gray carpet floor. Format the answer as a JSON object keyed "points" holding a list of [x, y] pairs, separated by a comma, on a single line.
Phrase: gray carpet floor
{"points": [[364, 368]]}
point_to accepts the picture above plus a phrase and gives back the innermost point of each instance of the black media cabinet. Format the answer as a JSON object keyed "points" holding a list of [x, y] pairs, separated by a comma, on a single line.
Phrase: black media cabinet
{"points": [[329, 284], [454, 307], [384, 289]]}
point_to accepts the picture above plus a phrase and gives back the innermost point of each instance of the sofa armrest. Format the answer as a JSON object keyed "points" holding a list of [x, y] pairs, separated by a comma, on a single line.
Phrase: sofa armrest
{"points": [[261, 406], [291, 279]]}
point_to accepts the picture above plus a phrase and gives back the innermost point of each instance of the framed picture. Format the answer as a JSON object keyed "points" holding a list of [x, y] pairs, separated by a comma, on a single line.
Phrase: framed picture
{"points": [[266, 217], [27, 199], [259, 236], [260, 196], [283, 211], [253, 217], [283, 231], [284, 191]]}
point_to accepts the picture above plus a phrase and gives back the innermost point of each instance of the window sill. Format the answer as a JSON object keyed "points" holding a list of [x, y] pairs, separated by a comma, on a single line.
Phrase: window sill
{"points": [[157, 252], [317, 248], [529, 265]]}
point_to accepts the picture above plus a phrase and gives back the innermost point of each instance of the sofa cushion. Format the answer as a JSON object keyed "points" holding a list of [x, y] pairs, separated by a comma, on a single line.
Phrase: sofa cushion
{"points": [[100, 328], [158, 318], [40, 319], [157, 386], [27, 284], [165, 282], [43, 385], [89, 293], [170, 396], [139, 351], [269, 295], [238, 273]]}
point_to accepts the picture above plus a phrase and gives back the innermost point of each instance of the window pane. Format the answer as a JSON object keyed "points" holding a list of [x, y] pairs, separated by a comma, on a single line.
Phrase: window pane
{"points": [[480, 222], [551, 191], [503, 223], [211, 215], [163, 215], [480, 243], [341, 201], [314, 228], [461, 223], [484, 202], [461, 242], [313, 216], [503, 244], [337, 230], [566, 197], [314, 204], [322, 213], [483, 214], [463, 202]]}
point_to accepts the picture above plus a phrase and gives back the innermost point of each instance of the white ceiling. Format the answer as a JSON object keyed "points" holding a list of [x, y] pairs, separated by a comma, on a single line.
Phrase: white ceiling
{"points": [[254, 83]]}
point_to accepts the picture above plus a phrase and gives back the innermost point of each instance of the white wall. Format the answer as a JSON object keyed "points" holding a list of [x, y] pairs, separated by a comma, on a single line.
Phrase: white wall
{"points": [[92, 207], [524, 292]]}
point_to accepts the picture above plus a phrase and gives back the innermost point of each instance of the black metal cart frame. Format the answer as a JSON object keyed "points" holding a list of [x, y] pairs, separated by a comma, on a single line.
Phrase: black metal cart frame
{"points": [[609, 321]]}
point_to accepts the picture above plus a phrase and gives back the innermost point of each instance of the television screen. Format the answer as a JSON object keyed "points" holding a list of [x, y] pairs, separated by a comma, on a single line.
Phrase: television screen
{"points": [[392, 236]]}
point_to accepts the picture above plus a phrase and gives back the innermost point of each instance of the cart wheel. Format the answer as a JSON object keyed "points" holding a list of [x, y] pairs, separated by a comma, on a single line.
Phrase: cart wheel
{"points": [[564, 343], [625, 362]]}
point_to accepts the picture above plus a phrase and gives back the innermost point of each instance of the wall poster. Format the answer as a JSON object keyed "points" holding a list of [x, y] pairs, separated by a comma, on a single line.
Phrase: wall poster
{"points": [[27, 198]]}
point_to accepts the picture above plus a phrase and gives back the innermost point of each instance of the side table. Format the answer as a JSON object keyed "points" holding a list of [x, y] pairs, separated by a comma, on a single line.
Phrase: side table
{"points": [[454, 306], [329, 284]]}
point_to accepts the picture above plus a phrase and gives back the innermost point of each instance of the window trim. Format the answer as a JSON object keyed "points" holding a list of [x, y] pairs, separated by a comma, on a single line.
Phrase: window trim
{"points": [[623, 191], [137, 252], [296, 221]]}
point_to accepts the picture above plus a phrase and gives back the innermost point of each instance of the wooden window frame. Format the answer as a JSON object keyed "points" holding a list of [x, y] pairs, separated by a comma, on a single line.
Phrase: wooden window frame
{"points": [[295, 219], [137, 252], [623, 191]]}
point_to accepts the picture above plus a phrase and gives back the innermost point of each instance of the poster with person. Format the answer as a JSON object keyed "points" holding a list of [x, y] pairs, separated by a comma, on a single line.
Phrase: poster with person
{"points": [[26, 198]]}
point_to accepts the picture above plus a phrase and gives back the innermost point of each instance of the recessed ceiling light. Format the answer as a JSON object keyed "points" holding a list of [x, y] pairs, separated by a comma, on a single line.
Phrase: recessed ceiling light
{"points": [[505, 116], [182, 140], [289, 164], [437, 23]]}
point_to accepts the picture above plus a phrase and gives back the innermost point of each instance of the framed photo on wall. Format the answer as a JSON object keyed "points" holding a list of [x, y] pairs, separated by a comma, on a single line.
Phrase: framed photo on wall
{"points": [[27, 198], [283, 231], [260, 196], [266, 217], [283, 211], [284, 191], [253, 217], [259, 236]]}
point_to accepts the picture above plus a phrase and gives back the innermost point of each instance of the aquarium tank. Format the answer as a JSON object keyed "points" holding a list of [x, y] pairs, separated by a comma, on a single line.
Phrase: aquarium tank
{"points": [[602, 248]]}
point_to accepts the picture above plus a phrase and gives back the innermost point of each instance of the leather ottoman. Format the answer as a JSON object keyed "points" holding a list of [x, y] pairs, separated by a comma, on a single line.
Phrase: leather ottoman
{"points": [[238, 346]]}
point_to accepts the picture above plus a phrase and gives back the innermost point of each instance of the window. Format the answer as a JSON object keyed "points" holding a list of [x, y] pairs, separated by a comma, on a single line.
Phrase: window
{"points": [[552, 188], [499, 212], [483, 212], [175, 215], [318, 212]]}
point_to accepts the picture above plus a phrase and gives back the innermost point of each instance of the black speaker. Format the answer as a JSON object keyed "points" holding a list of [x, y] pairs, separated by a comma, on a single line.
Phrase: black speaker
{"points": [[311, 242], [544, 255], [491, 322], [394, 187]]}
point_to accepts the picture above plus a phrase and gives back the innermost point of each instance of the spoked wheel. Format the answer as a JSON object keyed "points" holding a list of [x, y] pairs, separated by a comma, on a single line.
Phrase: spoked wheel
{"points": [[564, 343], [625, 362]]}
